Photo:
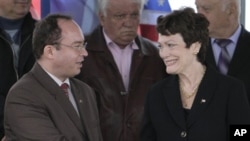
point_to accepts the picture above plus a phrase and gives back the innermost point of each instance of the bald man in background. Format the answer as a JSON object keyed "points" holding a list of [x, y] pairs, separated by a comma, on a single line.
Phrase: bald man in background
{"points": [[224, 18]]}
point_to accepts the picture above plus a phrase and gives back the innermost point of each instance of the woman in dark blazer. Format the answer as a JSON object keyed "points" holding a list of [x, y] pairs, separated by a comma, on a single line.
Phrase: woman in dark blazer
{"points": [[195, 103]]}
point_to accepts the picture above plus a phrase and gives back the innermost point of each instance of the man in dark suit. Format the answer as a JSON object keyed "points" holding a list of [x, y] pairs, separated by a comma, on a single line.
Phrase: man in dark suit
{"points": [[121, 67], [224, 17], [36, 107], [16, 57]]}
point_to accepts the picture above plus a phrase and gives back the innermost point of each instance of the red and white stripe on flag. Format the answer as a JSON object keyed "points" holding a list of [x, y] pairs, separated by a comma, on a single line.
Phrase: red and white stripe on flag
{"points": [[152, 10], [35, 9]]}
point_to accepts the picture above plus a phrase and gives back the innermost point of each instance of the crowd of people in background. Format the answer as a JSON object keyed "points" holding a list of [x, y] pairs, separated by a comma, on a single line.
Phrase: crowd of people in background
{"points": [[115, 85]]}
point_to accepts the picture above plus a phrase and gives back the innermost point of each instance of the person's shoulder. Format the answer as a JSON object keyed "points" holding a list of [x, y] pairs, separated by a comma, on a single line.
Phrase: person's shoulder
{"points": [[245, 31], [24, 87], [158, 88], [80, 84], [28, 18], [232, 80], [169, 80], [229, 80], [148, 42], [244, 35], [83, 88], [147, 46], [96, 33], [26, 80], [217, 76]]}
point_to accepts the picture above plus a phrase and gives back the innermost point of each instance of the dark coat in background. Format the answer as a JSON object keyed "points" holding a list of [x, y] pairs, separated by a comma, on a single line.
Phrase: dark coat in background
{"points": [[8, 73], [239, 66]]}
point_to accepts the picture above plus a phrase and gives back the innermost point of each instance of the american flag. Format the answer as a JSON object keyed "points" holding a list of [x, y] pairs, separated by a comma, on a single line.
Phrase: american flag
{"points": [[85, 12], [152, 9]]}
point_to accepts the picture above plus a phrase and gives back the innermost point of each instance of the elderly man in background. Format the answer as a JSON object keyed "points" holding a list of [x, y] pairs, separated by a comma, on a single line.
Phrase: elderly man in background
{"points": [[121, 66], [229, 40]]}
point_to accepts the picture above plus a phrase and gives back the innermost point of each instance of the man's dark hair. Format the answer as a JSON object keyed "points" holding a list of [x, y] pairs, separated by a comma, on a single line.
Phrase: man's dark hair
{"points": [[47, 32]]}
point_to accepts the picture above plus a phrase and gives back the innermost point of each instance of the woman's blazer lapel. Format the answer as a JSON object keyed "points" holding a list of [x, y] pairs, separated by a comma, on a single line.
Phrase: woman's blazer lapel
{"points": [[173, 101], [204, 96]]}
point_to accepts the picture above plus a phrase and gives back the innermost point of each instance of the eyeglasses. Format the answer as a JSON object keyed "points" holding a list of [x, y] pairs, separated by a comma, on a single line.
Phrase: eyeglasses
{"points": [[78, 47]]}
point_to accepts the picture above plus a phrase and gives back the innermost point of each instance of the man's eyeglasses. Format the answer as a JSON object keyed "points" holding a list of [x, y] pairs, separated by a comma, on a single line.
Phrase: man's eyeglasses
{"points": [[78, 46]]}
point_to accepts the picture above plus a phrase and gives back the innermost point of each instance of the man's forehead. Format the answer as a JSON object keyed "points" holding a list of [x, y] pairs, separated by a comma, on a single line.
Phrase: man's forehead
{"points": [[207, 2]]}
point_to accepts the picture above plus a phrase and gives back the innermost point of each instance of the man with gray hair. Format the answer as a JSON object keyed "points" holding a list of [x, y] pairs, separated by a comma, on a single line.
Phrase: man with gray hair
{"points": [[225, 28], [121, 66]]}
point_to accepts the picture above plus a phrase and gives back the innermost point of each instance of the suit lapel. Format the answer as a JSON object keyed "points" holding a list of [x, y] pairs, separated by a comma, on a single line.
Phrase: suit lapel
{"points": [[241, 53], [65, 103], [173, 100], [139, 58], [204, 96], [50, 85], [85, 109], [136, 61]]}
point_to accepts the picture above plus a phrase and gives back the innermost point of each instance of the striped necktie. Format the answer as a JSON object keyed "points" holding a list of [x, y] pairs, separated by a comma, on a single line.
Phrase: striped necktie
{"points": [[65, 88], [224, 58]]}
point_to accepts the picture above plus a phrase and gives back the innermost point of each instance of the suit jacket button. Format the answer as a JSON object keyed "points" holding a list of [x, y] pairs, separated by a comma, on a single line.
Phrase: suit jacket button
{"points": [[123, 93], [183, 134]]}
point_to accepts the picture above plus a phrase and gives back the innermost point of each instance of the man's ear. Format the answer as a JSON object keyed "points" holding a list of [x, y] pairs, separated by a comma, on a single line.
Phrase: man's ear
{"points": [[49, 51], [101, 18], [231, 8]]}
